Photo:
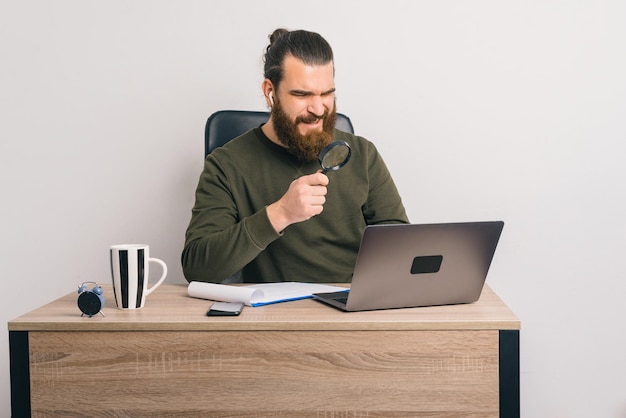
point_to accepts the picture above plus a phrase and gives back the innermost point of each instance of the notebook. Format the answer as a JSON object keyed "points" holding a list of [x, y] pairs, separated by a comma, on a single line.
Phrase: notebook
{"points": [[410, 265]]}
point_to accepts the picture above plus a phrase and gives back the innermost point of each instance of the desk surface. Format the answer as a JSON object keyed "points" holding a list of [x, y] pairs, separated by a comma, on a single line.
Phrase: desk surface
{"points": [[169, 308], [291, 359]]}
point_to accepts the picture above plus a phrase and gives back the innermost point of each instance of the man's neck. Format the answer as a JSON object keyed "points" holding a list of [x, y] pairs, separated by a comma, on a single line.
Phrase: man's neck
{"points": [[270, 133]]}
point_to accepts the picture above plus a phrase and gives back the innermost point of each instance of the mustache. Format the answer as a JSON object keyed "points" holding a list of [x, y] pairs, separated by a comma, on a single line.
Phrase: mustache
{"points": [[310, 118]]}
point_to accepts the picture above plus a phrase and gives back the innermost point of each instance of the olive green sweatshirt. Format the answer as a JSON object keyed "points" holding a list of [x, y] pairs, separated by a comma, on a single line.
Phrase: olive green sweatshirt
{"points": [[230, 231]]}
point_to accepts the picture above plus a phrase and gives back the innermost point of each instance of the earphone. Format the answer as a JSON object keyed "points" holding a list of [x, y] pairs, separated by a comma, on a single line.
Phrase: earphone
{"points": [[90, 302], [271, 97]]}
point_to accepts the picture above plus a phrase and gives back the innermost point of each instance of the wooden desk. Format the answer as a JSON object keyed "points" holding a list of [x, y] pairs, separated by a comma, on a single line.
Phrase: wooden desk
{"points": [[295, 359]]}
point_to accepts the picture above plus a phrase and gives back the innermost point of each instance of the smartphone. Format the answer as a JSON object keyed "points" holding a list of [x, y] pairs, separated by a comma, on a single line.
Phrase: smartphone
{"points": [[225, 309]]}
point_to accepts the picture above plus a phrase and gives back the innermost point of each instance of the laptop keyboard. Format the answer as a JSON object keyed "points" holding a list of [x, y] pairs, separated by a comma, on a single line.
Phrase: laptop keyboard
{"points": [[343, 300]]}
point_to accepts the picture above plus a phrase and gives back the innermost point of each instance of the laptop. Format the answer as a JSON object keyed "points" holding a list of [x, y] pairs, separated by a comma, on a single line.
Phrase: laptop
{"points": [[411, 265]]}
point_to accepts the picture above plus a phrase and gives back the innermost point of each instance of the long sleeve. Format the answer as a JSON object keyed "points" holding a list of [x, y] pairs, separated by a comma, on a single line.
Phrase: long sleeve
{"points": [[219, 241]]}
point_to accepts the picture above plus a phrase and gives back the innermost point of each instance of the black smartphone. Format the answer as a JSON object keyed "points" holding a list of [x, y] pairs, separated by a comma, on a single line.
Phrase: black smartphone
{"points": [[225, 309]]}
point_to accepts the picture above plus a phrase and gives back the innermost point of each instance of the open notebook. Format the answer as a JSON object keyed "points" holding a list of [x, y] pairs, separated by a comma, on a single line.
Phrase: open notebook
{"points": [[258, 294]]}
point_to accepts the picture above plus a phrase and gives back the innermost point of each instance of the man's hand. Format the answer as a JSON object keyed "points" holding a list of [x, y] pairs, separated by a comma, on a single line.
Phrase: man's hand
{"points": [[304, 199]]}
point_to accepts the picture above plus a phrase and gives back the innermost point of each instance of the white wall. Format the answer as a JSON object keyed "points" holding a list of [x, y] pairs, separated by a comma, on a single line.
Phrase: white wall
{"points": [[483, 110]]}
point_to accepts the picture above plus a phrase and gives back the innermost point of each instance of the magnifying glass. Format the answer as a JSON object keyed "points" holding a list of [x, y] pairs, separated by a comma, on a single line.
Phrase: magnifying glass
{"points": [[334, 156]]}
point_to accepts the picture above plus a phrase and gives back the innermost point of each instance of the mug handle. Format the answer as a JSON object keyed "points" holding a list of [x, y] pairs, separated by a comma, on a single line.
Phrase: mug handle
{"points": [[158, 283]]}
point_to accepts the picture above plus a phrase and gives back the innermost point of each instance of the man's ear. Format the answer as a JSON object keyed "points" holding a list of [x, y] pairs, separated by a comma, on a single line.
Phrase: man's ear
{"points": [[268, 92]]}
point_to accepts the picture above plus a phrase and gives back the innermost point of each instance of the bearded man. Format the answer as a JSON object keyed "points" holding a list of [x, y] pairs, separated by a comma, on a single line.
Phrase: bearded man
{"points": [[263, 206]]}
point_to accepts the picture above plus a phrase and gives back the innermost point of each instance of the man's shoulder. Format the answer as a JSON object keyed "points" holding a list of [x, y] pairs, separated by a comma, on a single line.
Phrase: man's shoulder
{"points": [[247, 153], [355, 141], [239, 146], [244, 140]]}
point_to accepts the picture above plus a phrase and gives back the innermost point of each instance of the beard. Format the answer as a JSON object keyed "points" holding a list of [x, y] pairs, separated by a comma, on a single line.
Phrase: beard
{"points": [[305, 148]]}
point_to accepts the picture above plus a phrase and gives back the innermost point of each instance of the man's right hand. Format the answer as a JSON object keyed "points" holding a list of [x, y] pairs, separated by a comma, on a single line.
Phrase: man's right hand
{"points": [[304, 199]]}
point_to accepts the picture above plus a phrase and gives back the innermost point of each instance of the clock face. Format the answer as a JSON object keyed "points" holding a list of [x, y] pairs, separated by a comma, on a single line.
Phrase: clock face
{"points": [[89, 303]]}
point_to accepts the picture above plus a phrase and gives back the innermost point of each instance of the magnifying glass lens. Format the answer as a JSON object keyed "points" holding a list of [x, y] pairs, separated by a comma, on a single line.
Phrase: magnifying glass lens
{"points": [[334, 156]]}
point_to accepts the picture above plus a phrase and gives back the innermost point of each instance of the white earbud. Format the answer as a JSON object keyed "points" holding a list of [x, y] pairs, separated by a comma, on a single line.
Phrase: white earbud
{"points": [[271, 97]]}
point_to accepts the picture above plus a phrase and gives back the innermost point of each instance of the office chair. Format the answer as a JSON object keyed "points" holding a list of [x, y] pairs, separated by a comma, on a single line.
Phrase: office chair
{"points": [[224, 125]]}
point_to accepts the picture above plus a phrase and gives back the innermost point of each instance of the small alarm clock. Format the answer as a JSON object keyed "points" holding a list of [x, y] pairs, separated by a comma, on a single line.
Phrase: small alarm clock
{"points": [[90, 302]]}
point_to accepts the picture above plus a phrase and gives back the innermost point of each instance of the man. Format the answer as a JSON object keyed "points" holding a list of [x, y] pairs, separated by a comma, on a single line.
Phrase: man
{"points": [[263, 206]]}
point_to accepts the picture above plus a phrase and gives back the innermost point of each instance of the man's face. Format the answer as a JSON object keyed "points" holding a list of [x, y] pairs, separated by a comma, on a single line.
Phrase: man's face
{"points": [[304, 112]]}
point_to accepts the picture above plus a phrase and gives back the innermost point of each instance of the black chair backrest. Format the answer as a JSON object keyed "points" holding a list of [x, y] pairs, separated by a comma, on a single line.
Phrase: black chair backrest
{"points": [[224, 125]]}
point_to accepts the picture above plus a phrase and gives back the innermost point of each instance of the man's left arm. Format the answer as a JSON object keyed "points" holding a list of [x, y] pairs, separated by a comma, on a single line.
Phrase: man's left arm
{"points": [[384, 204]]}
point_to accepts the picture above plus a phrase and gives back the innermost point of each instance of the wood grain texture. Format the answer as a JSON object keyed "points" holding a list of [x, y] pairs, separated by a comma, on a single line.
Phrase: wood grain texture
{"points": [[295, 359], [169, 308], [265, 374]]}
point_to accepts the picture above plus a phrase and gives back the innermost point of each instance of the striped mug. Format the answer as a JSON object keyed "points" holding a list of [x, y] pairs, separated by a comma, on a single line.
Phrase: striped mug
{"points": [[130, 272]]}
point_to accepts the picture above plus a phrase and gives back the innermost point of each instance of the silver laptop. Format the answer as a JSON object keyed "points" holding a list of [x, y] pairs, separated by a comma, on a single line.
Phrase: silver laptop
{"points": [[409, 265]]}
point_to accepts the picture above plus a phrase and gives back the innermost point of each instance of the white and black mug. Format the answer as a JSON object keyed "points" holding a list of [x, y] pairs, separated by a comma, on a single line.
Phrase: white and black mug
{"points": [[130, 272]]}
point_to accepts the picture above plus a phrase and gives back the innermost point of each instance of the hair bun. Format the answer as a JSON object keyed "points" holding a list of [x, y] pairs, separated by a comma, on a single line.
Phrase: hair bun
{"points": [[276, 34]]}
